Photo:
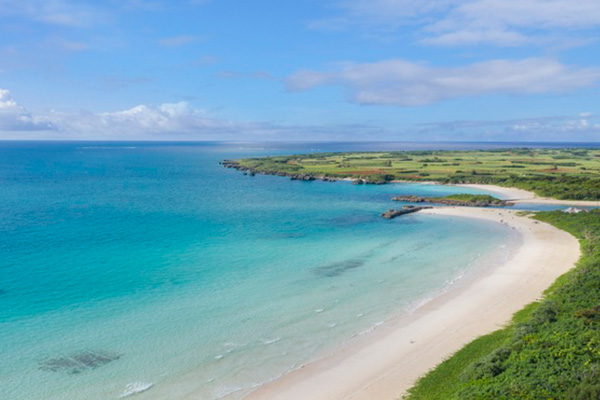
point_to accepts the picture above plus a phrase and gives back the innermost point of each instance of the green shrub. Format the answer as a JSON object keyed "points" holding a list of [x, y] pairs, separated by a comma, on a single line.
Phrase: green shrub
{"points": [[552, 348]]}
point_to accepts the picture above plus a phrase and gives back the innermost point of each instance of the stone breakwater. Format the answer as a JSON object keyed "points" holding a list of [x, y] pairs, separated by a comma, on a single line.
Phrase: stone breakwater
{"points": [[453, 202], [390, 214]]}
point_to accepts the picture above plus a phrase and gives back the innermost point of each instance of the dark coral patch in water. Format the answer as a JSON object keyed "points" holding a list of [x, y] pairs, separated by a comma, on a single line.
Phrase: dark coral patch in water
{"points": [[79, 362], [338, 268]]}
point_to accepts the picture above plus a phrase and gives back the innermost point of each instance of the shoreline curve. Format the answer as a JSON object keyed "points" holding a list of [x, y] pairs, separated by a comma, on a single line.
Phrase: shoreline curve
{"points": [[388, 363], [521, 196]]}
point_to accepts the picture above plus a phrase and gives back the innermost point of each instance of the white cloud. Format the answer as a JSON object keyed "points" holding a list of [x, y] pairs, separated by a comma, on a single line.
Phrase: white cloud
{"points": [[169, 119], [404, 83], [6, 101], [460, 22], [559, 128], [504, 22], [141, 121], [14, 117], [55, 12], [391, 13], [180, 121], [471, 36], [565, 128]]}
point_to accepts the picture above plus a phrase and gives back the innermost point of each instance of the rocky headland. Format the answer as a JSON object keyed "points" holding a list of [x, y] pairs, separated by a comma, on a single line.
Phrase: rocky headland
{"points": [[295, 176]]}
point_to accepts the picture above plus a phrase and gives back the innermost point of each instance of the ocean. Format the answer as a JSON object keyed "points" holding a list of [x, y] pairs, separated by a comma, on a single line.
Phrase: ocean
{"points": [[148, 269]]}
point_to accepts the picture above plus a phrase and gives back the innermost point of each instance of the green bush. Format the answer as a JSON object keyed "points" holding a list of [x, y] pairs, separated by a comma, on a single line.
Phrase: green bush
{"points": [[550, 351]]}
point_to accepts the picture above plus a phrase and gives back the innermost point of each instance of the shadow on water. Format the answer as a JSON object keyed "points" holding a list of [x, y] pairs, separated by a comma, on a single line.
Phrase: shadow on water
{"points": [[79, 362]]}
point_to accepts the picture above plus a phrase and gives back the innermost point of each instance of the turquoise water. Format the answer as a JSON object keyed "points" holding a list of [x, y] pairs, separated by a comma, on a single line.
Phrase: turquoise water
{"points": [[151, 264]]}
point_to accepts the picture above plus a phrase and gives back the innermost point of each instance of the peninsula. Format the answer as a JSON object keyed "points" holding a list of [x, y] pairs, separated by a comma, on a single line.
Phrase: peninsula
{"points": [[564, 174]]}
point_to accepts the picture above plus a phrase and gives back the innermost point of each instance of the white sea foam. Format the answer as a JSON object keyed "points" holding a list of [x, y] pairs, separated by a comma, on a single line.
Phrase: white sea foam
{"points": [[225, 391], [271, 341], [372, 327], [135, 388]]}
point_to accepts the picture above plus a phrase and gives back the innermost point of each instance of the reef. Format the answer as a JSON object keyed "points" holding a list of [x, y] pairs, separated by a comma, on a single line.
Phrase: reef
{"points": [[79, 362]]}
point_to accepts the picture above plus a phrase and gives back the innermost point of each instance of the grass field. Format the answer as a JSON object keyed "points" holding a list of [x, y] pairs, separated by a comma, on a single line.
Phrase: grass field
{"points": [[572, 174]]}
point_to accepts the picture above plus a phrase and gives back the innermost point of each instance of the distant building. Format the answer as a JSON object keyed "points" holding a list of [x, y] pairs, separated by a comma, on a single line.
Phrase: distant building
{"points": [[573, 210]]}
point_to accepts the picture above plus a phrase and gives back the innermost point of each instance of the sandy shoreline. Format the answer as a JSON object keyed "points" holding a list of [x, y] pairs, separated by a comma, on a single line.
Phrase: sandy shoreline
{"points": [[520, 196], [505, 193], [388, 363], [526, 197]]}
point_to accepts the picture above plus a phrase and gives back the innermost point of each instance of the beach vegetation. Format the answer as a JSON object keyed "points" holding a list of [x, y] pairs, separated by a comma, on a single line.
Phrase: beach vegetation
{"points": [[475, 198], [550, 350]]}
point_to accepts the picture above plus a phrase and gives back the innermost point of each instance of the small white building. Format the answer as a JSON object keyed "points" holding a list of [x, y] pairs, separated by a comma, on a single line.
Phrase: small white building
{"points": [[573, 210]]}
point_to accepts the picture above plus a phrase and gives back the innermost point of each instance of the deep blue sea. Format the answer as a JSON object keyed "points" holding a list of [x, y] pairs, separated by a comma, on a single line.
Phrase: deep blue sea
{"points": [[132, 266]]}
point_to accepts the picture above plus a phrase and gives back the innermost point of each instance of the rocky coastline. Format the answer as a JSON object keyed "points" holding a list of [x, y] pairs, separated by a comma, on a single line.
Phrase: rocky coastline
{"points": [[295, 177]]}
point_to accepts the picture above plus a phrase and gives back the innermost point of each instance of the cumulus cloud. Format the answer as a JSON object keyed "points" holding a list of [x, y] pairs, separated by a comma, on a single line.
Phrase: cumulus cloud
{"points": [[460, 22], [143, 121], [181, 121], [14, 117], [168, 119], [404, 83]]}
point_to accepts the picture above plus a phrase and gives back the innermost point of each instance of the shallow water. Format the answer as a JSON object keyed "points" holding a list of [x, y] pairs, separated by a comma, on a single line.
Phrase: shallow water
{"points": [[139, 267]]}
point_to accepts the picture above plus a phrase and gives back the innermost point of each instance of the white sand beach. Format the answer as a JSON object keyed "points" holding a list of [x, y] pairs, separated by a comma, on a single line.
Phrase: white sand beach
{"points": [[526, 197], [387, 362]]}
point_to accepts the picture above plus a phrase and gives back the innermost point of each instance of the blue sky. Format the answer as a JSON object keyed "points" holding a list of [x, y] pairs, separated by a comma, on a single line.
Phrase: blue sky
{"points": [[445, 70]]}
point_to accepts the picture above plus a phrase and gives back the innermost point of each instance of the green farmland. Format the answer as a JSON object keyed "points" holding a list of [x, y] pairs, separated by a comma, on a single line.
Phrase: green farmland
{"points": [[572, 174]]}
